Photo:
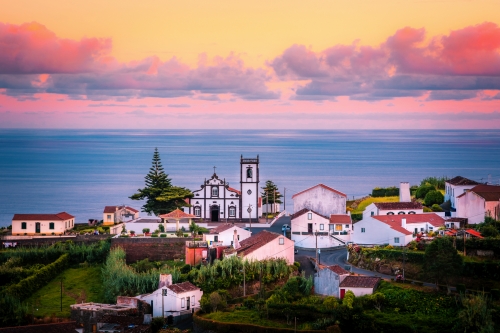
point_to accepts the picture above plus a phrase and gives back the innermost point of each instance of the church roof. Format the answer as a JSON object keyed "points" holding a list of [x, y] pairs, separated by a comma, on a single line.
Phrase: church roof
{"points": [[323, 186], [233, 190], [177, 214]]}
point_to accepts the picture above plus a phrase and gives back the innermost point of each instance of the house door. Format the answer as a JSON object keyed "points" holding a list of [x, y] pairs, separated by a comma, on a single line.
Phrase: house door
{"points": [[188, 303], [342, 293], [310, 228], [37, 227], [214, 213]]}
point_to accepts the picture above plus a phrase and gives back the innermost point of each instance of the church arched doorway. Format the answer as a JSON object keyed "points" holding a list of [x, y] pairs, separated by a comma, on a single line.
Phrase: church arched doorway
{"points": [[214, 213]]}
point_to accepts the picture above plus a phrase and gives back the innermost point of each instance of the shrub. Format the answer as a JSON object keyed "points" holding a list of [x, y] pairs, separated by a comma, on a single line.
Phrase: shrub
{"points": [[427, 210], [461, 288], [186, 269], [157, 324], [154, 235], [348, 299], [489, 231], [423, 190], [378, 192], [391, 191], [163, 235], [145, 230], [436, 208], [249, 303], [433, 197]]}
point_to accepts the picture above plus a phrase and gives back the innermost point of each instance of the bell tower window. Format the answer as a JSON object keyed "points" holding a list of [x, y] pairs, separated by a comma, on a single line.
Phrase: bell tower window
{"points": [[249, 173]]}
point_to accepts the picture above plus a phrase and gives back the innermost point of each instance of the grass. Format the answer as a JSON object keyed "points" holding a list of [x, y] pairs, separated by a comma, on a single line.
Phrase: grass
{"points": [[81, 284], [244, 317], [363, 204]]}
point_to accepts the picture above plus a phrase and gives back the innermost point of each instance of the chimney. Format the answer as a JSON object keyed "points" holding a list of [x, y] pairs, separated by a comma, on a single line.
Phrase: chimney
{"points": [[165, 280], [236, 243], [404, 192], [403, 223]]}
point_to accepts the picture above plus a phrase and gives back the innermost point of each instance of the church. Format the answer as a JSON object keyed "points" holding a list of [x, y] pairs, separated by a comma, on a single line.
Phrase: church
{"points": [[216, 201]]}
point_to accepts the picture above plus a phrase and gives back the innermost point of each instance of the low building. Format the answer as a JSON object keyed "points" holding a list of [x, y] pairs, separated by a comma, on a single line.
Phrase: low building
{"points": [[176, 300], [457, 186], [310, 229], [359, 285], [40, 224], [393, 208], [396, 230], [264, 245], [328, 278], [118, 214], [224, 234], [479, 202]]}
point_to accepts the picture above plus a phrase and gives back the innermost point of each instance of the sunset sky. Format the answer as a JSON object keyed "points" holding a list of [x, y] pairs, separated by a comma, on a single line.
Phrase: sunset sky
{"points": [[332, 64]]}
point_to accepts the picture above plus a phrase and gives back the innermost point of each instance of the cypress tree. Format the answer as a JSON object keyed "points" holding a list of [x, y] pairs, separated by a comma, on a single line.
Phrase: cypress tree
{"points": [[161, 196]]}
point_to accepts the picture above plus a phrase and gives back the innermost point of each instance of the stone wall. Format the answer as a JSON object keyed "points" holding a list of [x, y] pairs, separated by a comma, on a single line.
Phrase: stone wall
{"points": [[50, 240], [155, 249]]}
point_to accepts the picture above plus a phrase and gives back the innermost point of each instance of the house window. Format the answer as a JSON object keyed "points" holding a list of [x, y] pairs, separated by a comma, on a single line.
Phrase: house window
{"points": [[416, 230], [390, 213], [412, 212], [362, 229], [192, 301], [282, 241], [183, 302], [109, 217], [51, 225], [338, 227], [347, 226], [422, 229], [321, 227], [216, 238], [401, 213], [23, 225], [372, 213], [65, 225], [232, 211], [396, 240], [309, 216], [431, 228], [215, 191], [197, 211]]}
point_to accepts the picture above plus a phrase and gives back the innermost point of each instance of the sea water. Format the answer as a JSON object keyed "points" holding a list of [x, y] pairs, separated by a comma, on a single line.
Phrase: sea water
{"points": [[81, 171]]}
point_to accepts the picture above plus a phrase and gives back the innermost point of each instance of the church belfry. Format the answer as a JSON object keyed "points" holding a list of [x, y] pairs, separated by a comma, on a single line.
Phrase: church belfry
{"points": [[249, 180]]}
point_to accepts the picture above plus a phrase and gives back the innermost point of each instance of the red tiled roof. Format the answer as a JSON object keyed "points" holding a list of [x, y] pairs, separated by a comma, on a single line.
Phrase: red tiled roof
{"points": [[323, 186], [340, 218], [459, 180], [255, 242], [177, 214], [474, 233], [233, 190], [456, 219], [394, 221], [398, 205], [110, 209], [65, 327], [43, 217], [182, 287], [337, 269], [359, 282], [488, 192], [305, 210], [221, 228], [132, 209]]}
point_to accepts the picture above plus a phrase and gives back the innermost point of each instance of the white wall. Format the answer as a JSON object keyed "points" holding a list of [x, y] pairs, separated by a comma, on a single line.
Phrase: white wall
{"points": [[472, 207], [306, 240], [377, 232], [359, 291], [59, 227], [274, 250], [171, 302], [321, 200], [226, 237], [453, 191]]}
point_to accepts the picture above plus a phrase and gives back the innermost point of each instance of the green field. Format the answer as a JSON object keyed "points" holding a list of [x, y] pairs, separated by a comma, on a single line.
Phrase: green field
{"points": [[363, 204], [244, 317], [79, 285]]}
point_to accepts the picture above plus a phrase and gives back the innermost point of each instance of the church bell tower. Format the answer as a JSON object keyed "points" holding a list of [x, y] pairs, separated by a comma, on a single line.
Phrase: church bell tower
{"points": [[249, 180]]}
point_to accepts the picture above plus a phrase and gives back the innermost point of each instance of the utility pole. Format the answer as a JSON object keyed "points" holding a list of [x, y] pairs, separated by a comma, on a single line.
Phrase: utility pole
{"points": [[284, 198], [249, 210], [404, 259], [244, 288], [464, 241], [274, 201], [317, 264], [61, 293], [267, 205]]}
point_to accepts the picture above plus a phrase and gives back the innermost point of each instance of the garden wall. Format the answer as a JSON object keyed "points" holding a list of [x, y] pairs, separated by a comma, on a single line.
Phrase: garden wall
{"points": [[155, 249]]}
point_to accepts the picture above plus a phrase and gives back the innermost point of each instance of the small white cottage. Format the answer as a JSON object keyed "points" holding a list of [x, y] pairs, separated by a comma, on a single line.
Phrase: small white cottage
{"points": [[224, 234], [42, 224], [359, 285]]}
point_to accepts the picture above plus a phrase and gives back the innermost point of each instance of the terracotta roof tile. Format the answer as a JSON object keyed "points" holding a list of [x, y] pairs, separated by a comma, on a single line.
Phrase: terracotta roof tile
{"points": [[340, 218], [488, 192], [110, 209], [221, 228], [474, 233], [337, 269], [43, 217], [177, 214], [323, 186], [459, 180], [394, 221], [305, 210], [398, 205], [359, 282], [234, 190], [255, 242], [182, 287]]}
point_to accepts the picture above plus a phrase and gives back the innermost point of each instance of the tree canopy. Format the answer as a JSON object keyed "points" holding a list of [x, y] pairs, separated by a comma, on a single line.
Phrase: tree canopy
{"points": [[271, 193], [160, 195], [433, 197], [442, 260]]}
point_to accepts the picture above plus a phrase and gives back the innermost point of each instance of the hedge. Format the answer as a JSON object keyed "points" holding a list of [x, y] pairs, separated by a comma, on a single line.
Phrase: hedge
{"points": [[411, 256], [492, 244], [24, 288], [220, 327], [385, 192]]}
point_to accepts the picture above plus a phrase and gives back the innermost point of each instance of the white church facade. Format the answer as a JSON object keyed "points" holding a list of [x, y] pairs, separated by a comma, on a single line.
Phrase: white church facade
{"points": [[216, 201]]}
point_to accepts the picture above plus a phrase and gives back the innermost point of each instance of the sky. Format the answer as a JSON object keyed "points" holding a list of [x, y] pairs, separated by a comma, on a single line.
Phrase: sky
{"points": [[260, 64]]}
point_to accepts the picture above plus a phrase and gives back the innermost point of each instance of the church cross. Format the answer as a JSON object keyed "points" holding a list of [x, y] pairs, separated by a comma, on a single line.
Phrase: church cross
{"points": [[214, 169]]}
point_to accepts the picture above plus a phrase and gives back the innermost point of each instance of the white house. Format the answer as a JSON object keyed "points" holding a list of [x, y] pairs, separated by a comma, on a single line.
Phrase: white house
{"points": [[393, 208], [37, 224], [457, 186], [396, 230], [478, 202], [264, 245], [217, 201], [309, 228], [117, 214], [359, 285], [327, 280], [173, 299], [322, 199], [224, 234]]}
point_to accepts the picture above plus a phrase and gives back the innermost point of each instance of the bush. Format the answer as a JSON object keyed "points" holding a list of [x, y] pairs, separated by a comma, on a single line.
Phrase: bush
{"points": [[186, 269], [461, 288], [391, 191], [154, 235], [489, 231], [436, 208], [378, 192], [423, 190], [433, 198], [163, 235], [348, 299], [157, 324], [249, 303]]}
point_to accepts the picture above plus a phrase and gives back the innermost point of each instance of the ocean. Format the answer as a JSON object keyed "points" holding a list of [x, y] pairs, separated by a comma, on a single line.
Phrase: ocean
{"points": [[81, 171]]}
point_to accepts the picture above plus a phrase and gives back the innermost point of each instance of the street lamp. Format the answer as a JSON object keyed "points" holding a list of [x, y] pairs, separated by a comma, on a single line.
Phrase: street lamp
{"points": [[249, 210]]}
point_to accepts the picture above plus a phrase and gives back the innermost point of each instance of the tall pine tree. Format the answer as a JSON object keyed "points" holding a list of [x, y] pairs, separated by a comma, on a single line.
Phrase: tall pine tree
{"points": [[161, 196], [271, 194]]}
